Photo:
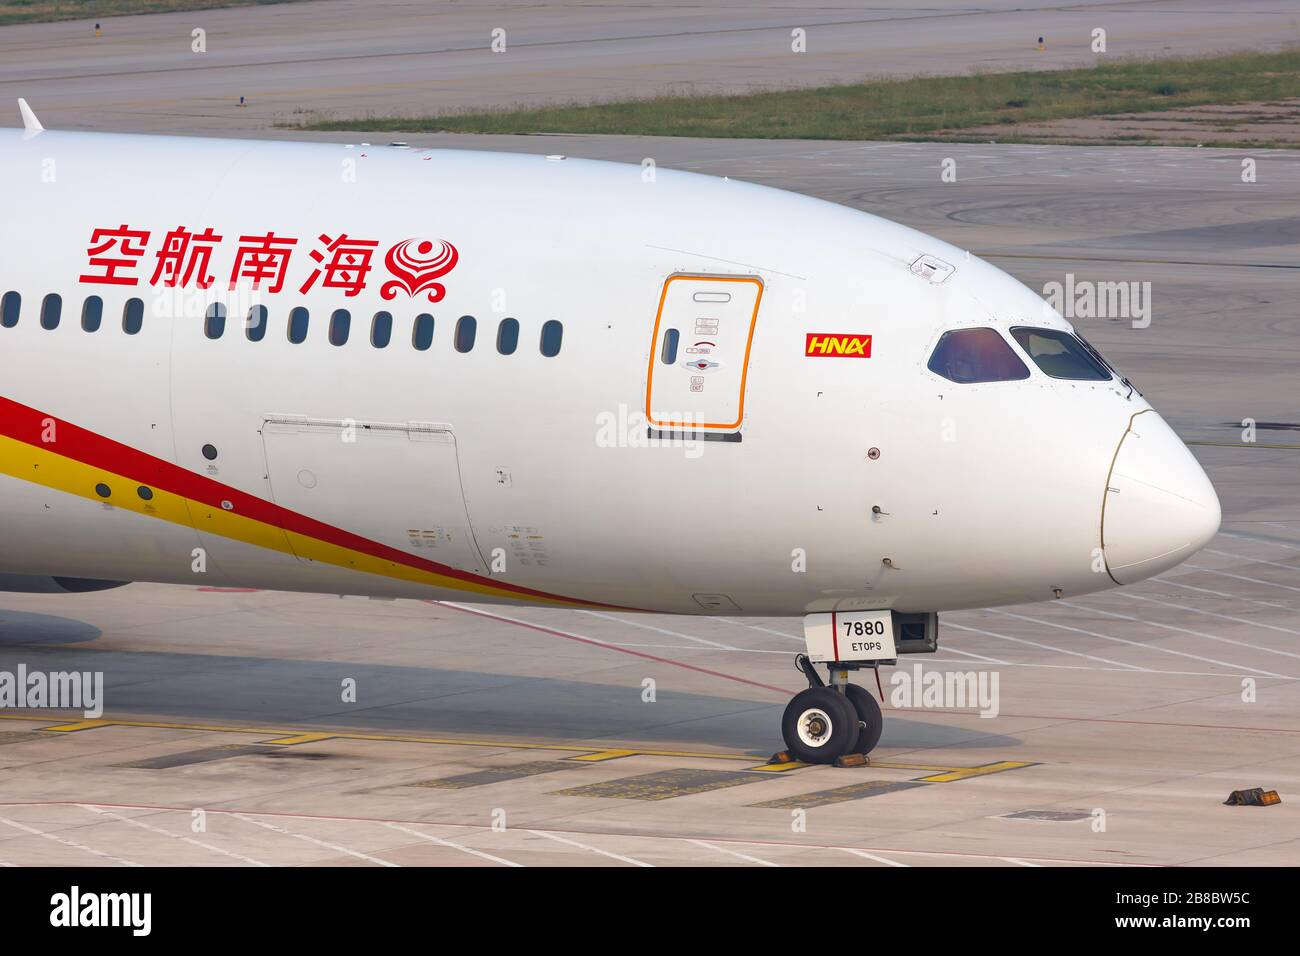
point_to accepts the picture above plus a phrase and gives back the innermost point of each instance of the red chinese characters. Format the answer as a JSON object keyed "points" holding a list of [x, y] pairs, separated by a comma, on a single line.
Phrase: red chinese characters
{"points": [[343, 263], [347, 264], [262, 258], [128, 244], [183, 254]]}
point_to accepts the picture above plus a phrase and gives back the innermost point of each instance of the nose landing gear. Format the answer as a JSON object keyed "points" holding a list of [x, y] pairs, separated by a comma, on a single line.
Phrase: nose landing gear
{"points": [[823, 723]]}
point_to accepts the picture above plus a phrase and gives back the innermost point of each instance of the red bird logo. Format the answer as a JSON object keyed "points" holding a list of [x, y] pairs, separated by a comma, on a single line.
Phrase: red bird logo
{"points": [[415, 267]]}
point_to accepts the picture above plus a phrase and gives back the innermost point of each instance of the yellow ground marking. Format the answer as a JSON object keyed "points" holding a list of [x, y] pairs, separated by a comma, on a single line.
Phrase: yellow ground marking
{"points": [[279, 736], [294, 740], [45, 467], [282, 737], [965, 773], [606, 755]]}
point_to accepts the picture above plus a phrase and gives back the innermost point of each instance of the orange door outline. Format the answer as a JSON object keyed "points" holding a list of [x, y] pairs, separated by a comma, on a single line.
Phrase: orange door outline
{"points": [[744, 368]]}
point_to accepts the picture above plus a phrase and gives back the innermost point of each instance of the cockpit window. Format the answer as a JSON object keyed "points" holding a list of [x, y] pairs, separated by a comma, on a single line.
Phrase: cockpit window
{"points": [[976, 355], [1092, 350], [1060, 355]]}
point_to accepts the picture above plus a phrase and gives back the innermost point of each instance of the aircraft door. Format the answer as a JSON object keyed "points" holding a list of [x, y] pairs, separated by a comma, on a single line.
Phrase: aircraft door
{"points": [[699, 353]]}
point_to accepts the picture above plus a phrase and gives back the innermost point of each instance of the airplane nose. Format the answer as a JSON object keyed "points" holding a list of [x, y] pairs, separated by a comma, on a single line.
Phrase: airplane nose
{"points": [[1159, 507]]}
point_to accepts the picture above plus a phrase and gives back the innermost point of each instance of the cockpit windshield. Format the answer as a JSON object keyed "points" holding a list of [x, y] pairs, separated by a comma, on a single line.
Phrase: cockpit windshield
{"points": [[968, 356], [1061, 355]]}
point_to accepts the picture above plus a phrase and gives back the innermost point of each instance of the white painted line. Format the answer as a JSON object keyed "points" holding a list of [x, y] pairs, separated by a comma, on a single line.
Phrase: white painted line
{"points": [[174, 836], [992, 660], [1246, 557], [1225, 594], [1241, 577], [735, 853], [756, 627], [662, 630], [1100, 670], [310, 839], [68, 843], [1047, 647], [1018, 862], [1276, 544], [1183, 630], [583, 846], [693, 647], [1226, 617], [1121, 640], [453, 846], [1274, 524], [872, 856], [318, 817]]}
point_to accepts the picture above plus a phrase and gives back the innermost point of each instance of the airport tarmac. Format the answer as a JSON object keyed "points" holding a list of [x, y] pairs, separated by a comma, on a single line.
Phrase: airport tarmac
{"points": [[354, 58], [499, 736]]}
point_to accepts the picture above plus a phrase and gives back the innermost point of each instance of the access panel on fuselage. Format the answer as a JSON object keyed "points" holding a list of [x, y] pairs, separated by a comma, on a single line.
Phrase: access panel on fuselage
{"points": [[395, 484], [699, 354]]}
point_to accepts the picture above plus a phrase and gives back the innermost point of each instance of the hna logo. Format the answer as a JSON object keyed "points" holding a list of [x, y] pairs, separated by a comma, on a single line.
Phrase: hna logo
{"points": [[831, 345]]}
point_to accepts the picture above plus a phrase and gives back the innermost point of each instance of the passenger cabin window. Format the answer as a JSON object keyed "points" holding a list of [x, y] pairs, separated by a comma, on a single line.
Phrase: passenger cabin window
{"points": [[51, 310], [133, 316], [298, 320], [1060, 355], [214, 322], [340, 326], [381, 330], [968, 356], [552, 338], [466, 329], [92, 313], [255, 324], [9, 308], [422, 333], [508, 336]]}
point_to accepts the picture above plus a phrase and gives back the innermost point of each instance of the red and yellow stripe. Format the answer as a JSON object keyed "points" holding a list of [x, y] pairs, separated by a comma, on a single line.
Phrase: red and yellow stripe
{"points": [[57, 454]]}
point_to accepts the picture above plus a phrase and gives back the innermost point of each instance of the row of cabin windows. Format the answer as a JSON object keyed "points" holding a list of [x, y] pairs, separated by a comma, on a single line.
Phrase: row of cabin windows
{"points": [[340, 324], [92, 312]]}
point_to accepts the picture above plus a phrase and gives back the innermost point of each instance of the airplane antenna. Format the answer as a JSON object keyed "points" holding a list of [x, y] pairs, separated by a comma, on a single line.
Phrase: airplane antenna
{"points": [[30, 122]]}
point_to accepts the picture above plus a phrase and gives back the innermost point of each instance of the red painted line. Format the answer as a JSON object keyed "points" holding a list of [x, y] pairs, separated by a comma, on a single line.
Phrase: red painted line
{"points": [[835, 635], [611, 647], [28, 425]]}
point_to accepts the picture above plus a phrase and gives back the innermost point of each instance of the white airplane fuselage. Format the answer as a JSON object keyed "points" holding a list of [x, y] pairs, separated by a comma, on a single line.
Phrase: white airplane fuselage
{"points": [[762, 480]]}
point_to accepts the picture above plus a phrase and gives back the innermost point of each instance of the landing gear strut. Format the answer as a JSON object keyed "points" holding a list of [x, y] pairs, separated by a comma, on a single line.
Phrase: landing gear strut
{"points": [[823, 723]]}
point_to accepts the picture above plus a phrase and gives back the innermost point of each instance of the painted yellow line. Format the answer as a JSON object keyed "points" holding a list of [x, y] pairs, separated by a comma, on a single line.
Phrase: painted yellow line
{"points": [[965, 773], [606, 755], [297, 739], [280, 736], [283, 737]]}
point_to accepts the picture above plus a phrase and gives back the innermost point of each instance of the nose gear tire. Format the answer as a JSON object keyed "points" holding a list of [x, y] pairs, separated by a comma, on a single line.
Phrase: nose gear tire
{"points": [[819, 725]]}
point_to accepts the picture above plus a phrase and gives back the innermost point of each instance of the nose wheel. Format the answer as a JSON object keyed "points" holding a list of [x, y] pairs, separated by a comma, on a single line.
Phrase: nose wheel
{"points": [[822, 724], [819, 725]]}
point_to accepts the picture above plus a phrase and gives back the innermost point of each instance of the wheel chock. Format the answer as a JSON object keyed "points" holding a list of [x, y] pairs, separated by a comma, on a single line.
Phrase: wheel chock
{"points": [[782, 756], [852, 760], [1256, 797]]}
